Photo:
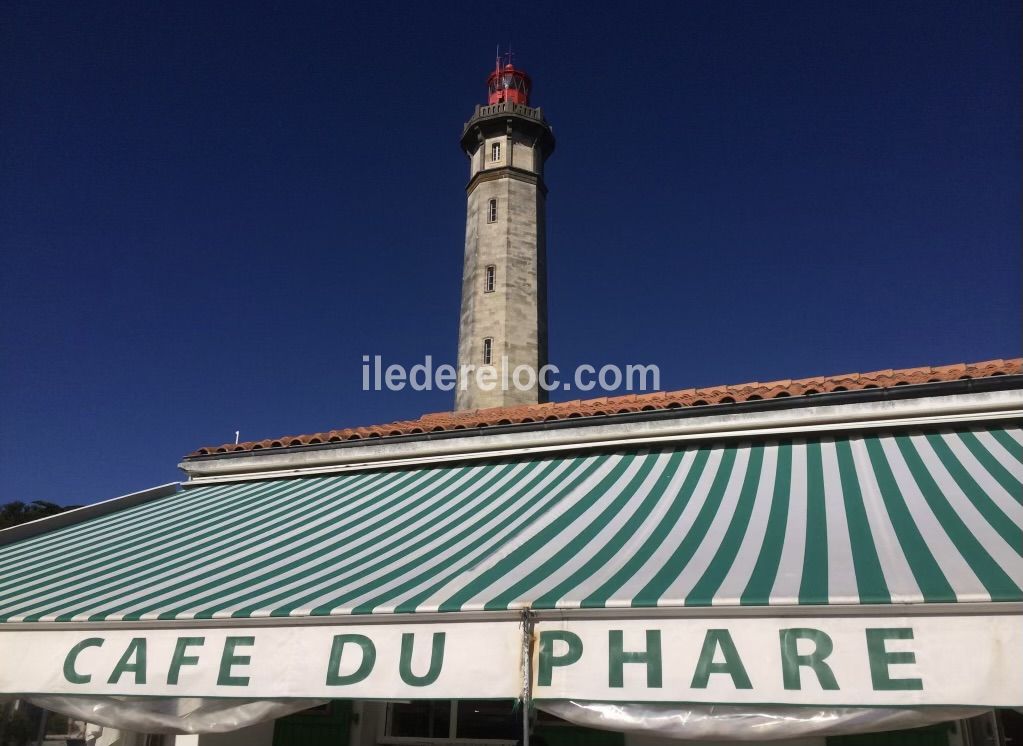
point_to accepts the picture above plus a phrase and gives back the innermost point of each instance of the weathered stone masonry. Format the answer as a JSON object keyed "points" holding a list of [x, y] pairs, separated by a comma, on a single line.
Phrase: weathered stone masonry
{"points": [[514, 314]]}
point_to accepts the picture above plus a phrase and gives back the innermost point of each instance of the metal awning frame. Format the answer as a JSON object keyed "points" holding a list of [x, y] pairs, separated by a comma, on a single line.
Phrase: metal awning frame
{"points": [[516, 615]]}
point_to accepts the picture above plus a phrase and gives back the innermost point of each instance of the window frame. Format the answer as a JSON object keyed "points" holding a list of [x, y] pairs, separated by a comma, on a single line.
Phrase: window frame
{"points": [[384, 727], [492, 210], [495, 152], [489, 278], [488, 350]]}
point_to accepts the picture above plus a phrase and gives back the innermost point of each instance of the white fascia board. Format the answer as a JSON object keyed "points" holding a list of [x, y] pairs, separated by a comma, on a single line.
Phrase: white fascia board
{"points": [[298, 461]]}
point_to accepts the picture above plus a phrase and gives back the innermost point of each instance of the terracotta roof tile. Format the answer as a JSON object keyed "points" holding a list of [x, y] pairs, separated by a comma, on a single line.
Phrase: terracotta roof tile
{"points": [[653, 401]]}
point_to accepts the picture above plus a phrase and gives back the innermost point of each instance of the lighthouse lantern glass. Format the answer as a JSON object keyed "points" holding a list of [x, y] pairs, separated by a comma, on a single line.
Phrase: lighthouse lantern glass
{"points": [[508, 84]]}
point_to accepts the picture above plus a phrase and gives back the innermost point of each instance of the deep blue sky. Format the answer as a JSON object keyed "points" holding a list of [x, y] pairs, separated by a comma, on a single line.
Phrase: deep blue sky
{"points": [[210, 211]]}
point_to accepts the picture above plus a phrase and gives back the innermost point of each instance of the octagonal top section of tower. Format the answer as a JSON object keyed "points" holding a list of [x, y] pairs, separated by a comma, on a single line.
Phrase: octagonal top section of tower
{"points": [[507, 111]]}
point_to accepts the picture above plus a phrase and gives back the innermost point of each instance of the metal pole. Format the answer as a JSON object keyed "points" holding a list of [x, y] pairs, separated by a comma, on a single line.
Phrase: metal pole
{"points": [[525, 724], [527, 672]]}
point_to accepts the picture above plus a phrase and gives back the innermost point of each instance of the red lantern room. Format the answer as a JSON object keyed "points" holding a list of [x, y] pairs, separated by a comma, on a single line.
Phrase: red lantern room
{"points": [[508, 84]]}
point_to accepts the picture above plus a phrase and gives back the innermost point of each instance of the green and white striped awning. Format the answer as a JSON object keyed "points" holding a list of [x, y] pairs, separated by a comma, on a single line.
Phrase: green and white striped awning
{"points": [[880, 518]]}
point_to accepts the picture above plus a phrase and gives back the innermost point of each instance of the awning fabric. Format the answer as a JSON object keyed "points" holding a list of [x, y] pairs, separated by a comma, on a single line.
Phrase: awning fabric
{"points": [[883, 518], [284, 588]]}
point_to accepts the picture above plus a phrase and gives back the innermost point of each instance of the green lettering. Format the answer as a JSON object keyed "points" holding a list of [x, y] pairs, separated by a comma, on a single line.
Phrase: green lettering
{"points": [[548, 660], [436, 660], [179, 658], [791, 660], [617, 658], [230, 659], [133, 660], [732, 664], [880, 659], [72, 657], [369, 657]]}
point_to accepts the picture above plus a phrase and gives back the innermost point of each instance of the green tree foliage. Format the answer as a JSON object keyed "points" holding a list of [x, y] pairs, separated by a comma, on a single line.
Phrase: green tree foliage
{"points": [[13, 513]]}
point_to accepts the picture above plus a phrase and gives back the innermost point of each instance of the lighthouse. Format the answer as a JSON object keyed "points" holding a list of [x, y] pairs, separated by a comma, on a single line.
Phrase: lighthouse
{"points": [[502, 341]]}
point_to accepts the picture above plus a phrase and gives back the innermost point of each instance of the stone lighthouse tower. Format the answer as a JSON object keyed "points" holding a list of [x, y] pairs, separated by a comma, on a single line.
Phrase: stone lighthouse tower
{"points": [[504, 281]]}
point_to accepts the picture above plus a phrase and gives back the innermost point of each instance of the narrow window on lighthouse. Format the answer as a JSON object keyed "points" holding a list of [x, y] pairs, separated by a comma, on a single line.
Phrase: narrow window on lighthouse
{"points": [[488, 350], [490, 275], [495, 152], [492, 211]]}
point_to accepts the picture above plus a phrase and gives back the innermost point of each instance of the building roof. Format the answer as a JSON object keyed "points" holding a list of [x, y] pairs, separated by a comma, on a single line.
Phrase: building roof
{"points": [[646, 402]]}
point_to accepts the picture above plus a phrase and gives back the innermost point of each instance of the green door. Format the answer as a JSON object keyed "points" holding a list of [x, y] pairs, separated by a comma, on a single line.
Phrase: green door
{"points": [[327, 725]]}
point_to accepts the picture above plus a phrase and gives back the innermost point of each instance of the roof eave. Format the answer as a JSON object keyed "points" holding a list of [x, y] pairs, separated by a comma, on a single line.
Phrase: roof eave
{"points": [[838, 409]]}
